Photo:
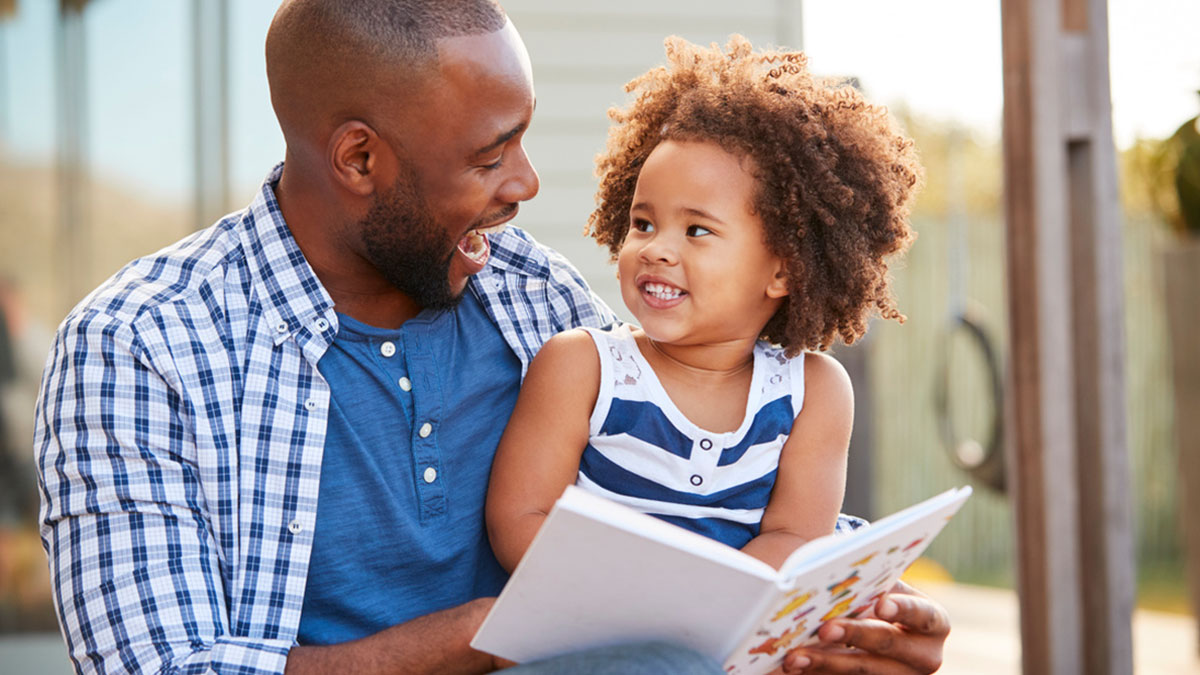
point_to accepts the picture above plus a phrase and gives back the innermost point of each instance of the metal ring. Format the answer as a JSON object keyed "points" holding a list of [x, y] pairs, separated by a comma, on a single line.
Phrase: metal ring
{"points": [[981, 459]]}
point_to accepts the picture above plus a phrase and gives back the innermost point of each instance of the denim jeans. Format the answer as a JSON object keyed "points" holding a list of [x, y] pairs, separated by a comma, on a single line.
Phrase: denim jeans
{"points": [[652, 658]]}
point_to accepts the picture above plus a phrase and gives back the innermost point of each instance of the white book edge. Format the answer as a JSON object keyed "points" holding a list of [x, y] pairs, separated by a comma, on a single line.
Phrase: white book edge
{"points": [[816, 552]]}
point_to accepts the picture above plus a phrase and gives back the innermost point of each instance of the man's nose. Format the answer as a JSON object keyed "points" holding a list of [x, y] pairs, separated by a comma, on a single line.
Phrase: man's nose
{"points": [[523, 182]]}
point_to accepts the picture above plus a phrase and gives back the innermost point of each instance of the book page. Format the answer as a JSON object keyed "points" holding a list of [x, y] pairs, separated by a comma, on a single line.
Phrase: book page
{"points": [[842, 577]]}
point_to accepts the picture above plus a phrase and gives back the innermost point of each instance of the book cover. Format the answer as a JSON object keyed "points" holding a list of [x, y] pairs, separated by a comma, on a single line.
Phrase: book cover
{"points": [[599, 573]]}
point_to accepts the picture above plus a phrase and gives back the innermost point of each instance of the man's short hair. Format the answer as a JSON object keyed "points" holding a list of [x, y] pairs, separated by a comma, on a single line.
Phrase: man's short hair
{"points": [[407, 29], [328, 59]]}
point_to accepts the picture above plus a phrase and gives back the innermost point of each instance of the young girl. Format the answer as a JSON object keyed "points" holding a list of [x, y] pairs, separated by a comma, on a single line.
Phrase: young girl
{"points": [[750, 209]]}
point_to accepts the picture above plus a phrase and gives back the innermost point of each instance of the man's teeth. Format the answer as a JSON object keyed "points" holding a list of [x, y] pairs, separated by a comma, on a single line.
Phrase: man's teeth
{"points": [[493, 229], [473, 245], [663, 291]]}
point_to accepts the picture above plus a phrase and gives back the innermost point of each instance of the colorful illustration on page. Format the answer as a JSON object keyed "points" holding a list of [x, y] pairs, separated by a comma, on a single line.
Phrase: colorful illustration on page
{"points": [[847, 587]]}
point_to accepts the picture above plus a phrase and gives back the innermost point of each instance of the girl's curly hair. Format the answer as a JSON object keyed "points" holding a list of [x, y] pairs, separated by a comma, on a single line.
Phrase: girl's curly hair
{"points": [[836, 176]]}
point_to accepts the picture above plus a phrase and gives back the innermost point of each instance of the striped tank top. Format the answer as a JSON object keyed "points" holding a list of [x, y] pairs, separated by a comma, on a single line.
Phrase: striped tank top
{"points": [[643, 452]]}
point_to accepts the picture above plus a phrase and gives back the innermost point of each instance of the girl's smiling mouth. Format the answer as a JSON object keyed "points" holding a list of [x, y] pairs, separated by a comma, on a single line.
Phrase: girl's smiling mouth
{"points": [[659, 294]]}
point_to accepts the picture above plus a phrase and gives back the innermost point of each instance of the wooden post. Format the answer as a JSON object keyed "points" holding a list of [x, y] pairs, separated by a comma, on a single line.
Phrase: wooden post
{"points": [[1067, 439], [1181, 264]]}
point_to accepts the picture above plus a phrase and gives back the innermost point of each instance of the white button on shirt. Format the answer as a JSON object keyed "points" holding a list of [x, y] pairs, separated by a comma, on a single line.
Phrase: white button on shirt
{"points": [[406, 384], [295, 527], [388, 349], [430, 474], [425, 430], [310, 404]]}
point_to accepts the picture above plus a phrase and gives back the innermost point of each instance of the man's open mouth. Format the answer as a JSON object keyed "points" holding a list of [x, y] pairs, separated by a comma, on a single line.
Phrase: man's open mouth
{"points": [[474, 244]]}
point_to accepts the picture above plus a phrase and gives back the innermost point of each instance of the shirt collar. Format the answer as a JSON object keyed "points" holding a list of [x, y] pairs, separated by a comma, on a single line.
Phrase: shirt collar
{"points": [[292, 295], [513, 250]]}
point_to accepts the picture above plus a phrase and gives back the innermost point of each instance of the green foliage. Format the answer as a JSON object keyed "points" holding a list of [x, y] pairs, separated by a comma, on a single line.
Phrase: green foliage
{"points": [[1187, 175], [1164, 175]]}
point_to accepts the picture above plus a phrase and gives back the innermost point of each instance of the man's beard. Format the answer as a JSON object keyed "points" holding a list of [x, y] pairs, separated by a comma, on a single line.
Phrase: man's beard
{"points": [[408, 247]]}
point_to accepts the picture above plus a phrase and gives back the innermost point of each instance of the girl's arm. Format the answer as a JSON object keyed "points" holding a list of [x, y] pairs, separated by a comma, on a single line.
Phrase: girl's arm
{"points": [[540, 450], [812, 466]]}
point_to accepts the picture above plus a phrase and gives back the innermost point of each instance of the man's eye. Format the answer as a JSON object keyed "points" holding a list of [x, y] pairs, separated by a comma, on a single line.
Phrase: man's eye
{"points": [[495, 165], [642, 225], [698, 231]]}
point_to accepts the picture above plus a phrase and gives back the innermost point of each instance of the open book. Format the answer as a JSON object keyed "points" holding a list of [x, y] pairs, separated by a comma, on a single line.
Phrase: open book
{"points": [[599, 573]]}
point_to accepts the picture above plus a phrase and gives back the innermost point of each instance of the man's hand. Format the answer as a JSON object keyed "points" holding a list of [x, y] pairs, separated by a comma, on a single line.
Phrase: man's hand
{"points": [[905, 638], [434, 643]]}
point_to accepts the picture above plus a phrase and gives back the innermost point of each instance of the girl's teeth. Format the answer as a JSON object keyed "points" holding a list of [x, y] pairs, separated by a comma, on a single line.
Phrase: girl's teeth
{"points": [[662, 291]]}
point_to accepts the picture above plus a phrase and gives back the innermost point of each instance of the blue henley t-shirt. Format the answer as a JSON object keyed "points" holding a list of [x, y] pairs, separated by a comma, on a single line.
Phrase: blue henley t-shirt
{"points": [[415, 419]]}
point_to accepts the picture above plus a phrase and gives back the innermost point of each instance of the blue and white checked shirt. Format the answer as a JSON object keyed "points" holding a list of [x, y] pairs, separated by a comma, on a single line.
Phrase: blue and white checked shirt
{"points": [[180, 431]]}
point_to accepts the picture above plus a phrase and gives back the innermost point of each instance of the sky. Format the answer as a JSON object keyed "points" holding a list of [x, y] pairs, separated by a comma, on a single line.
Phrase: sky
{"points": [[943, 58], [940, 58]]}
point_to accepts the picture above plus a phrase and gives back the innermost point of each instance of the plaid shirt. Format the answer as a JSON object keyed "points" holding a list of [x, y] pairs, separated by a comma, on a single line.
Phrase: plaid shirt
{"points": [[180, 431]]}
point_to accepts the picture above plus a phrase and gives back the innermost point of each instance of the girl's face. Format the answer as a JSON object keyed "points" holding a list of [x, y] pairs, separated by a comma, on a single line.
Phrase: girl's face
{"points": [[694, 267]]}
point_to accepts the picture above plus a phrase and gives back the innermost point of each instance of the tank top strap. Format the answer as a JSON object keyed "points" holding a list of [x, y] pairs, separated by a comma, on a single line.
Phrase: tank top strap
{"points": [[620, 369], [782, 376]]}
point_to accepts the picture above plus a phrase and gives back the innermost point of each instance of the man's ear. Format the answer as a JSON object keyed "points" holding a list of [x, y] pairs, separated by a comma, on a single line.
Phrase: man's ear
{"points": [[354, 151], [778, 286]]}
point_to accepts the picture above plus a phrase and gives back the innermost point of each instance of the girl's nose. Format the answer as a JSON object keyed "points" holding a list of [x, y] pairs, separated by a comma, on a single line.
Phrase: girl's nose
{"points": [[659, 250]]}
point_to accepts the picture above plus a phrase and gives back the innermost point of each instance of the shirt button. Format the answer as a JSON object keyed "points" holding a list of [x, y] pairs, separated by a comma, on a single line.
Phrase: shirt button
{"points": [[281, 327], [697, 480], [388, 349], [406, 384], [321, 325], [311, 404], [706, 444], [295, 527], [425, 430], [430, 474]]}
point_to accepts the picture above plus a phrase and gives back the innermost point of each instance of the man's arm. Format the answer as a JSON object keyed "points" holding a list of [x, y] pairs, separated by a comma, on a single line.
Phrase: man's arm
{"points": [[134, 563], [435, 643], [130, 534]]}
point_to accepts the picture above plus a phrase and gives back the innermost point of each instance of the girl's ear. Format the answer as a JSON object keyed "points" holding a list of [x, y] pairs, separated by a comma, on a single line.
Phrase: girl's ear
{"points": [[778, 287]]}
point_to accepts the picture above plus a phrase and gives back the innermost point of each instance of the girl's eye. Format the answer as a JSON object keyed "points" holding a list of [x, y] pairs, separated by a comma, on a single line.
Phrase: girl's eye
{"points": [[642, 225], [698, 231]]}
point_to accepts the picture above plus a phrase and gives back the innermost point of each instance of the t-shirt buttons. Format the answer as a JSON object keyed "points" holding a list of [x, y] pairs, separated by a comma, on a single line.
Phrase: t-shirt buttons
{"points": [[705, 444], [430, 474], [425, 430], [696, 479], [406, 384], [388, 349], [295, 527]]}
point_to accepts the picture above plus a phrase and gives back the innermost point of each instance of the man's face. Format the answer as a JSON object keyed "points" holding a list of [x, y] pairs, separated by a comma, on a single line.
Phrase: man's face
{"points": [[463, 171]]}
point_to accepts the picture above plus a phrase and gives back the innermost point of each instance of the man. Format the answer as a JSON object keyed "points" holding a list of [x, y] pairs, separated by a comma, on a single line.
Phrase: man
{"points": [[266, 448]]}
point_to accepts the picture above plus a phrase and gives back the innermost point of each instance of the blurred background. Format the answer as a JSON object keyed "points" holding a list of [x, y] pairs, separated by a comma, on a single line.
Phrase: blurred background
{"points": [[127, 124]]}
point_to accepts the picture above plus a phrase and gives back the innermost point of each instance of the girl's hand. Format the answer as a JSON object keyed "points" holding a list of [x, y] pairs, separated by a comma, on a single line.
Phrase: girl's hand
{"points": [[905, 638]]}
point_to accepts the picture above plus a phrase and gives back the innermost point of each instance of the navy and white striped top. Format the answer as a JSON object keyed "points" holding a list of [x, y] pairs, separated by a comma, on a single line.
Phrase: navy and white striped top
{"points": [[643, 452]]}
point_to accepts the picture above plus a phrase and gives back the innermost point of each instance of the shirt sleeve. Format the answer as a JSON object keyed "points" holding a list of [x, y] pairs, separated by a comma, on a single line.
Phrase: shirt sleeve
{"points": [[135, 569], [572, 299], [847, 523]]}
